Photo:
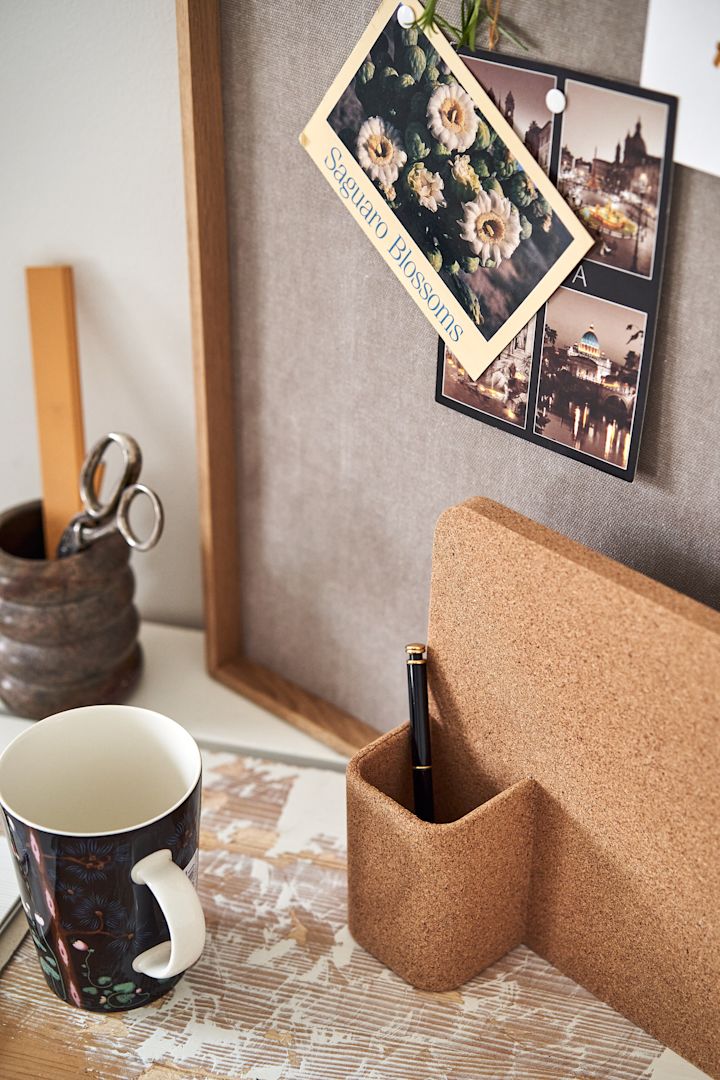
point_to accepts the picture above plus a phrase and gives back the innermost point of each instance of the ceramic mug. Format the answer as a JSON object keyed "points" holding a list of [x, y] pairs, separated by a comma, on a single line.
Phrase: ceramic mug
{"points": [[102, 806]]}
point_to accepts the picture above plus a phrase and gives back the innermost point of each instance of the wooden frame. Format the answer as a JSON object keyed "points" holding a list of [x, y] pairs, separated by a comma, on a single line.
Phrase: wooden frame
{"points": [[199, 54]]}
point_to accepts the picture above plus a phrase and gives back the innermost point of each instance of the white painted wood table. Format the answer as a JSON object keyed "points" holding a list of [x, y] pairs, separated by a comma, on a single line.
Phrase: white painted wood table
{"points": [[282, 992]]}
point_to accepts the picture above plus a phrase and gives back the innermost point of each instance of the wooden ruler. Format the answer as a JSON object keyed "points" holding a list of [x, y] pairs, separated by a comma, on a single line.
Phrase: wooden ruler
{"points": [[51, 305]]}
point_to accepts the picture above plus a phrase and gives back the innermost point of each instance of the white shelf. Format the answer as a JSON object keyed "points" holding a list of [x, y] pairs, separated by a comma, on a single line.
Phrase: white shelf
{"points": [[176, 683]]}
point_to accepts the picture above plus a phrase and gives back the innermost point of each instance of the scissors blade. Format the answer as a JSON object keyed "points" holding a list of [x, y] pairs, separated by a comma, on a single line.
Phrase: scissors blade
{"points": [[72, 539]]}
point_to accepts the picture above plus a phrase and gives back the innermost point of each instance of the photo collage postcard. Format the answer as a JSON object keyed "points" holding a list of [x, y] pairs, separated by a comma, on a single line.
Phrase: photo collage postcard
{"points": [[575, 377]]}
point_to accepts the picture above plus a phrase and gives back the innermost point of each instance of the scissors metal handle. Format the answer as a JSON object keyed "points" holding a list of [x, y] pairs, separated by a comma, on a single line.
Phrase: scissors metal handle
{"points": [[132, 466], [123, 517], [100, 519]]}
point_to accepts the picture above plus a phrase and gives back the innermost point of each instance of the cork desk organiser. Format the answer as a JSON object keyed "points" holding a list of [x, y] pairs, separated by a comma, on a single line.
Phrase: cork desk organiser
{"points": [[576, 751]]}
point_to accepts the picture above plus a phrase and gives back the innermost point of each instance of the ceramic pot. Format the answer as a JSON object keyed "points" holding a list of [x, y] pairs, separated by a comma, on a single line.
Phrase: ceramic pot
{"points": [[68, 627]]}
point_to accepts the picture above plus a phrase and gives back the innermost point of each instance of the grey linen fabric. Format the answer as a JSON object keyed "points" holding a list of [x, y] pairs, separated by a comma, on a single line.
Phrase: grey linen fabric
{"points": [[345, 458]]}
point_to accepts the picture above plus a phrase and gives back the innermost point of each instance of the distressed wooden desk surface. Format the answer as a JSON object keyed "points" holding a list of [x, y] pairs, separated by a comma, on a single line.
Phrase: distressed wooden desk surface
{"points": [[282, 992]]}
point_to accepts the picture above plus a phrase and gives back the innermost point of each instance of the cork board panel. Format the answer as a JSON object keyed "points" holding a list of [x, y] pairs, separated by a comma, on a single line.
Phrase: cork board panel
{"points": [[552, 662], [344, 459]]}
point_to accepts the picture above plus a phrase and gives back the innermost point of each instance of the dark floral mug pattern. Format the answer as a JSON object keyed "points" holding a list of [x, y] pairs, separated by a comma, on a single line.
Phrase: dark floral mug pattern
{"points": [[89, 920]]}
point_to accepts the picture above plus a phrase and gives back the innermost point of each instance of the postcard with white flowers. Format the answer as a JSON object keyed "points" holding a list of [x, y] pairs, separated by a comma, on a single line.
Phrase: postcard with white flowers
{"points": [[575, 378], [436, 177]]}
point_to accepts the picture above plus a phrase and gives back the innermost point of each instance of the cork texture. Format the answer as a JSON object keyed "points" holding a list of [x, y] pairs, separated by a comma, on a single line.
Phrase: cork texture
{"points": [[416, 899], [551, 662]]}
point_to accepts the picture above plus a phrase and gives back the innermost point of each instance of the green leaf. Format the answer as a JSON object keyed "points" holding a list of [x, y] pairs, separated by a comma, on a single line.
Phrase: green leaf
{"points": [[123, 988], [448, 28], [512, 37], [125, 999], [89, 990], [47, 969], [473, 17], [51, 960], [470, 28], [104, 980]]}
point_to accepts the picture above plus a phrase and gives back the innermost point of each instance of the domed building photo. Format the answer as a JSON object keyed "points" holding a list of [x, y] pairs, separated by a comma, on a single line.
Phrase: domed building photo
{"points": [[611, 172], [588, 381], [585, 358]]}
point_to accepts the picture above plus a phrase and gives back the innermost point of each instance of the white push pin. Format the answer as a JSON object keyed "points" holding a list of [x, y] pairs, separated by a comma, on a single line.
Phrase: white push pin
{"points": [[555, 100], [405, 16]]}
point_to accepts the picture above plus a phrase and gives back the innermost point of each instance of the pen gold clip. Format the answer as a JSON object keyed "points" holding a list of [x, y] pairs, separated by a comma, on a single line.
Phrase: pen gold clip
{"points": [[416, 662]]}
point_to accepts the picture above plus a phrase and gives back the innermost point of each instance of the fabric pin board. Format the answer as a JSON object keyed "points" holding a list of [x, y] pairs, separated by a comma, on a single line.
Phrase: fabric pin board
{"points": [[576, 760], [324, 461]]}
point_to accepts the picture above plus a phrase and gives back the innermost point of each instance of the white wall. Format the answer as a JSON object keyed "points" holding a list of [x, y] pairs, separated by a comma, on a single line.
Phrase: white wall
{"points": [[91, 175]]}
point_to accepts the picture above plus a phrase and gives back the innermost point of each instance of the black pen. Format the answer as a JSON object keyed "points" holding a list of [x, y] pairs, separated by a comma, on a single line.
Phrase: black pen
{"points": [[420, 731]]}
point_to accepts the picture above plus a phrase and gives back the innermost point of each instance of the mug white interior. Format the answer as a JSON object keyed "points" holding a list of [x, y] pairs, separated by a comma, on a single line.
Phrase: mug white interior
{"points": [[97, 770]]}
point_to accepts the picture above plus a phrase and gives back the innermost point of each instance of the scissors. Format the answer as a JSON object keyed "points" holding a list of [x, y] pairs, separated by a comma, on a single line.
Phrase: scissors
{"points": [[100, 519]]}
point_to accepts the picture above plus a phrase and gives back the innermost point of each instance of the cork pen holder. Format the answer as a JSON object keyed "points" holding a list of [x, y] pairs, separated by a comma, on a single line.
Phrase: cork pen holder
{"points": [[68, 627], [437, 903]]}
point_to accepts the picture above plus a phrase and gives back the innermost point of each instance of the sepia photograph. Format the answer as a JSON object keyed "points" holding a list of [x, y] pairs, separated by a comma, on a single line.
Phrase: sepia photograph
{"points": [[611, 166], [592, 354], [519, 94], [502, 389]]}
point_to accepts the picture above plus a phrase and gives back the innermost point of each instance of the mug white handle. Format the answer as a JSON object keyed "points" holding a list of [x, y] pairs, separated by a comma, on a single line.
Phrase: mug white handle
{"points": [[179, 903]]}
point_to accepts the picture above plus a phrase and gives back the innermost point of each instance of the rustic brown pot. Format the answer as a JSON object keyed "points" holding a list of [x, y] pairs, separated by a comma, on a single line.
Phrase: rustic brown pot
{"points": [[68, 628]]}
